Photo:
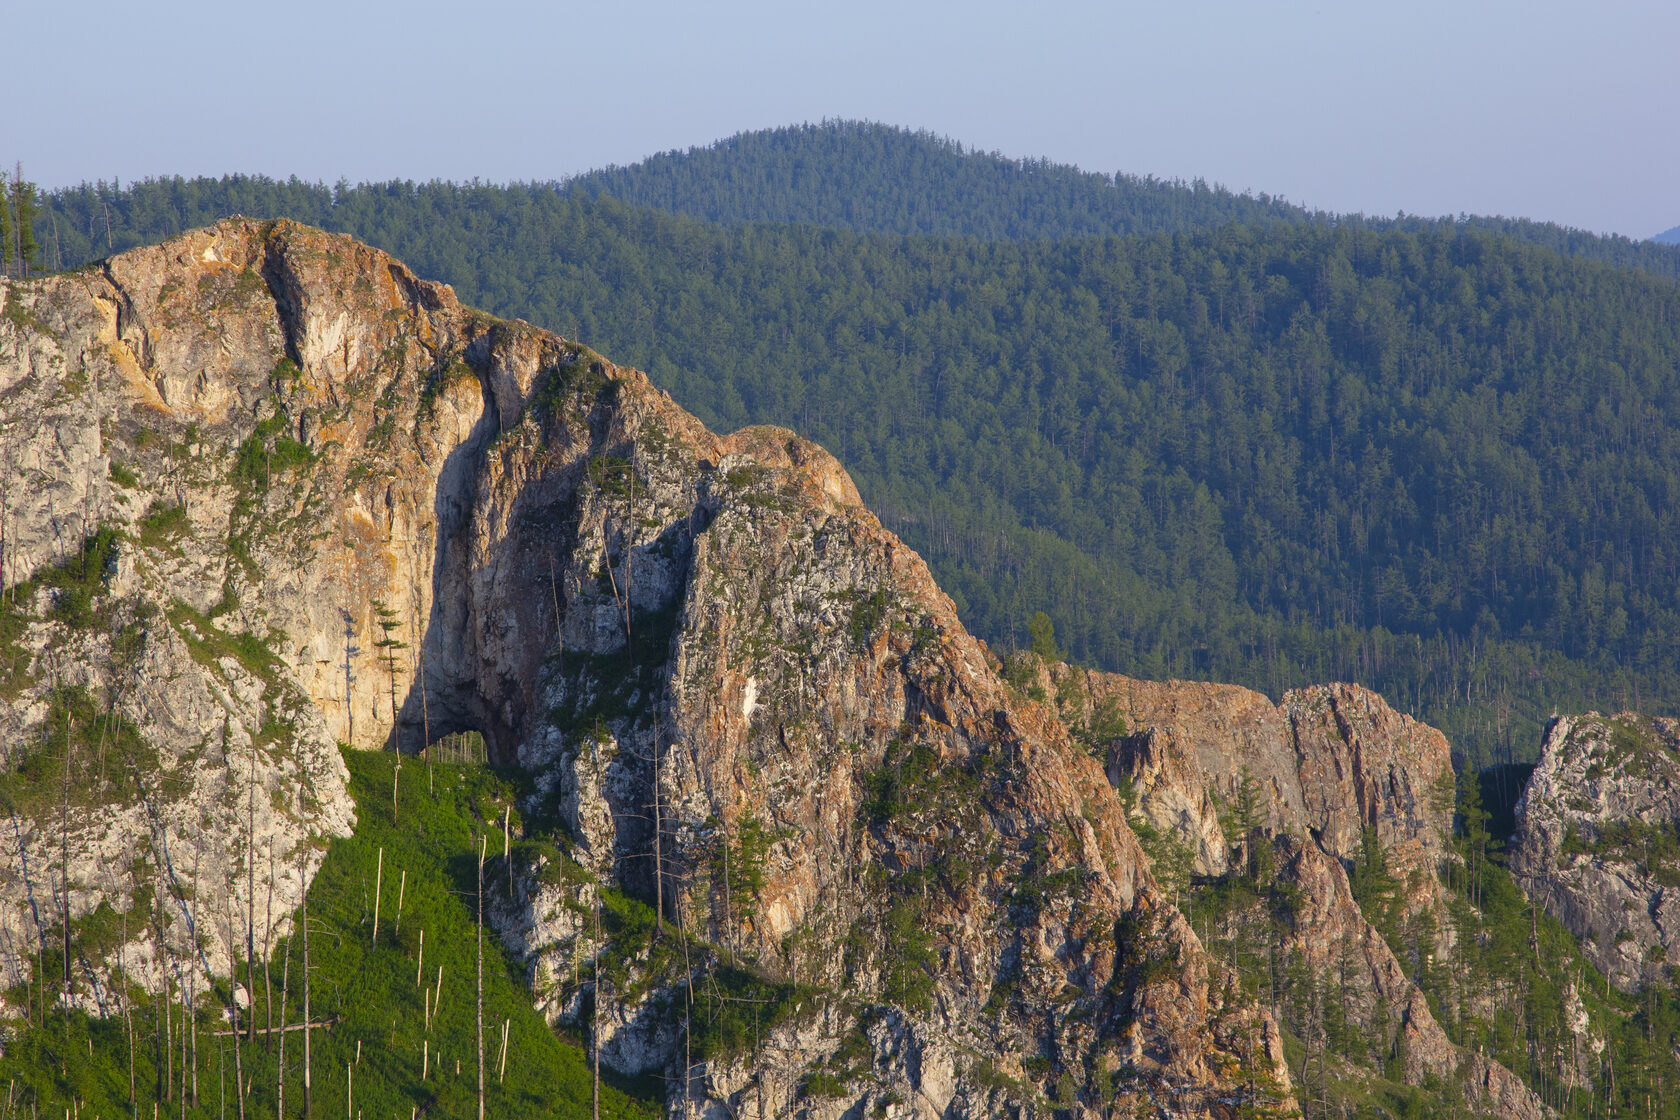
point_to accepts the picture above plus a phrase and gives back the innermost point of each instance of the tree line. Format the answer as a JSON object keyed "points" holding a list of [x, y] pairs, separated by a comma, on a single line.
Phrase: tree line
{"points": [[876, 178], [20, 253]]}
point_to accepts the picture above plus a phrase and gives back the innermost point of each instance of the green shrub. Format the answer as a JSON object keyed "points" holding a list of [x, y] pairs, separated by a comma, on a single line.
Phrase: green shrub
{"points": [[162, 524], [819, 1084], [735, 1007]]}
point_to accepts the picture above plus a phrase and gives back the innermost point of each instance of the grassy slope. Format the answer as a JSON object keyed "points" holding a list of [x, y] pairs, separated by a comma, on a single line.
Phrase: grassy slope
{"points": [[370, 990]]}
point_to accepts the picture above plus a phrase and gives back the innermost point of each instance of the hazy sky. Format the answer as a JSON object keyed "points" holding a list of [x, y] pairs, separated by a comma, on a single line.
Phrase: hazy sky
{"points": [[1540, 108]]}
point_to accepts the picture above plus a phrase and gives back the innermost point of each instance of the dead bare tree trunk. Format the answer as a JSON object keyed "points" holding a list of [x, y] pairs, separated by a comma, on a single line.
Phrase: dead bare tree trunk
{"points": [[64, 852], [251, 900], [378, 890], [688, 1003], [268, 946], [483, 845], [280, 1069], [595, 1016], [658, 828], [303, 859]]}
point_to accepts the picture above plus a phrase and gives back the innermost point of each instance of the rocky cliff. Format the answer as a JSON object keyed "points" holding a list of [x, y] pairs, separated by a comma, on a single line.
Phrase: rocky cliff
{"points": [[264, 489], [1596, 840], [1303, 793]]}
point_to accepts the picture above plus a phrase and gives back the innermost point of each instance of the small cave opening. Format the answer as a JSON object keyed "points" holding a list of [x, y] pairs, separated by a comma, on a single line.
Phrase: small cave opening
{"points": [[448, 720]]}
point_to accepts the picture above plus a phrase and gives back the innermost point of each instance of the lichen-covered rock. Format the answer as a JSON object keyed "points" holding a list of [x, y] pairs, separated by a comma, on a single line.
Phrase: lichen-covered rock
{"points": [[1594, 844]]}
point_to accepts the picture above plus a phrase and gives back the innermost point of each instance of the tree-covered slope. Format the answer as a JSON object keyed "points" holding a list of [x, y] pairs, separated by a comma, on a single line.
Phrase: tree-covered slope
{"points": [[147, 1048], [1440, 463], [861, 176], [875, 178]]}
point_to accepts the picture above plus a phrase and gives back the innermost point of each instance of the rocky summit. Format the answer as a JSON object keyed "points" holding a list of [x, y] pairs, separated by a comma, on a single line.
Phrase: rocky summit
{"points": [[743, 699], [266, 498]]}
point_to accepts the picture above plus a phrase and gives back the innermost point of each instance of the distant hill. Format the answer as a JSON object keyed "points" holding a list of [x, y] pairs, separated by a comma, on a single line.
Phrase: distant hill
{"points": [[1668, 237], [876, 178]]}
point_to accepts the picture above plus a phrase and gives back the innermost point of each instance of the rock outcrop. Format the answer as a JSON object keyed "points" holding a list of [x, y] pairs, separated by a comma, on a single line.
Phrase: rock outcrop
{"points": [[337, 505], [1595, 841], [1330, 762], [1323, 773]]}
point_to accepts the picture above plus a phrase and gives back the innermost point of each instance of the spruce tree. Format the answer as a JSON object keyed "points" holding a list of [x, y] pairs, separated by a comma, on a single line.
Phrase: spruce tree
{"points": [[23, 207], [5, 224], [388, 622]]}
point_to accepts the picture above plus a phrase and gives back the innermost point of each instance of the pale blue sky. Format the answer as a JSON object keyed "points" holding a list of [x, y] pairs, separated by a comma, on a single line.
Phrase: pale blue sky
{"points": [[1545, 109]]}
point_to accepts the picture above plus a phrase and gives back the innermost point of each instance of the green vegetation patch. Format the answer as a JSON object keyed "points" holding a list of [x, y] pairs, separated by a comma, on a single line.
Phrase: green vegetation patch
{"points": [[366, 990], [78, 600], [735, 1007], [87, 755], [163, 525], [1652, 846], [209, 643], [269, 451]]}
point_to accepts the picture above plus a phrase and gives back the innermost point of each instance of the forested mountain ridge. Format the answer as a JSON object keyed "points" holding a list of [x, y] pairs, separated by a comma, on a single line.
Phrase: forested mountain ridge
{"points": [[1433, 462], [857, 175], [877, 178], [874, 178]]}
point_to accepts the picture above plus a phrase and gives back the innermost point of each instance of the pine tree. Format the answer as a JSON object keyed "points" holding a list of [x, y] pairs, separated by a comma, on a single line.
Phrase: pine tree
{"points": [[388, 622]]}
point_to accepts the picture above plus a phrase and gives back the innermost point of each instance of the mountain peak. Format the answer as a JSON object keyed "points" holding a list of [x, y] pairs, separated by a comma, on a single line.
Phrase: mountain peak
{"points": [[337, 504]]}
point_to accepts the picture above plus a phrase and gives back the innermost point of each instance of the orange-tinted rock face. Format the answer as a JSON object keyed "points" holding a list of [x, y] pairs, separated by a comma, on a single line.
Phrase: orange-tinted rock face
{"points": [[748, 701], [1330, 760], [1323, 770]]}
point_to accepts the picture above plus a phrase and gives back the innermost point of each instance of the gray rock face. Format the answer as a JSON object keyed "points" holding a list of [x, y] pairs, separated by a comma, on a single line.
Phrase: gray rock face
{"points": [[198, 774], [1595, 840]]}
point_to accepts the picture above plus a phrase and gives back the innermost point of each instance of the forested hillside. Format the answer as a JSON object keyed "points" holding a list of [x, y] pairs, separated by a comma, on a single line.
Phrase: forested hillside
{"points": [[865, 177], [875, 178], [1439, 463]]}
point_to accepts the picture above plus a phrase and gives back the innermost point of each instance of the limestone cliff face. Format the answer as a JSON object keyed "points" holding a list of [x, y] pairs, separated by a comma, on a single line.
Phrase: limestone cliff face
{"points": [[745, 700], [1595, 840], [1324, 768]]}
